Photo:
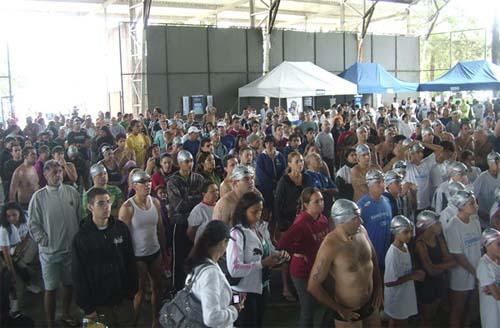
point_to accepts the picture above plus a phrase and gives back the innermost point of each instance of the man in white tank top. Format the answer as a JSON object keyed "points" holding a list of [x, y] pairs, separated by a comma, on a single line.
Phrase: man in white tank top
{"points": [[142, 215]]}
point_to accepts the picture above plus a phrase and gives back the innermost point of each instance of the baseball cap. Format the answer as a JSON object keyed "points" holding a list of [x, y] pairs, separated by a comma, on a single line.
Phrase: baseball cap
{"points": [[193, 129]]}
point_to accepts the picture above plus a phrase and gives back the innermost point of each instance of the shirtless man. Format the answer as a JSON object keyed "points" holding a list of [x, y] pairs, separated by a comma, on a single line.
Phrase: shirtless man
{"points": [[243, 180], [346, 258], [358, 172], [384, 149], [25, 179], [69, 169]]}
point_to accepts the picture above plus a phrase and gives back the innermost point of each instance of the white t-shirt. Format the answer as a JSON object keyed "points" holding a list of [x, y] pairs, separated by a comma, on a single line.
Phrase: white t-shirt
{"points": [[446, 215], [23, 230], [419, 175], [9, 240], [438, 176], [345, 173], [406, 129], [464, 239], [200, 215], [488, 273], [494, 209], [484, 189], [400, 302]]}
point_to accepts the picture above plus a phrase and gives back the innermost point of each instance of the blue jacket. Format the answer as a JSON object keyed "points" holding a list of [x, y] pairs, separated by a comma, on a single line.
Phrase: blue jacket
{"points": [[228, 141], [268, 172], [192, 147]]}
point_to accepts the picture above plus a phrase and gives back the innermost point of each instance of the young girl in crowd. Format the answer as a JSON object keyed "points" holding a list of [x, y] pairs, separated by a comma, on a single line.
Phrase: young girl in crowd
{"points": [[400, 300], [343, 177], [488, 274], [18, 250], [302, 240], [161, 175], [250, 257], [206, 167], [201, 214], [463, 236], [431, 254]]}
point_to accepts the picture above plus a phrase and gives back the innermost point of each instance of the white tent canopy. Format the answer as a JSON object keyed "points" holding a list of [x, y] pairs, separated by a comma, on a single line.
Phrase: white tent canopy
{"points": [[297, 79]]}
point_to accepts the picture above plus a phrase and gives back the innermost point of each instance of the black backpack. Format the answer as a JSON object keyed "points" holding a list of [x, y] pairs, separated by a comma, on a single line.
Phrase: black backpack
{"points": [[223, 263]]}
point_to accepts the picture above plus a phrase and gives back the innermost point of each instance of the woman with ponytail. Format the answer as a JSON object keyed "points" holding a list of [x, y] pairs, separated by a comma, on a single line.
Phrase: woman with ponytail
{"points": [[302, 240], [288, 192]]}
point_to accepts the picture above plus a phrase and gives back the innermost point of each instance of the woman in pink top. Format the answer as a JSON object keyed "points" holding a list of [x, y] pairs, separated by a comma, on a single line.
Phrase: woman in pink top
{"points": [[303, 239]]}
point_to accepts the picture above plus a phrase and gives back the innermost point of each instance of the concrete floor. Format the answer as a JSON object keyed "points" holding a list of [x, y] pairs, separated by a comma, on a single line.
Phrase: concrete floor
{"points": [[280, 313]]}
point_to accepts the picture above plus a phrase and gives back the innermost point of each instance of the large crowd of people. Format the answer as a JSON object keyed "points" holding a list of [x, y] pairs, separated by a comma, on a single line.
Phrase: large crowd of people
{"points": [[369, 215]]}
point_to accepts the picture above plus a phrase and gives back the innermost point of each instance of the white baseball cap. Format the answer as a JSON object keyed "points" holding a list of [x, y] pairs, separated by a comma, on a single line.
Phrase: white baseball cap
{"points": [[193, 129]]}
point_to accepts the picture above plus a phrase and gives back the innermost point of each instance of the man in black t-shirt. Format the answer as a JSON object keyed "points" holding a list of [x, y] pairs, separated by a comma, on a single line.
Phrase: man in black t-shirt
{"points": [[79, 138]]}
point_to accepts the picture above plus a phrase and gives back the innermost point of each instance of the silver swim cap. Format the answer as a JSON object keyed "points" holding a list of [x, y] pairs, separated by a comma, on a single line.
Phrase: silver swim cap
{"points": [[361, 129], [400, 223], [392, 176], [407, 142], [362, 149], [242, 171], [416, 148], [489, 236], [461, 197], [373, 176], [366, 119], [493, 157], [344, 210], [425, 219], [388, 131], [184, 155], [97, 169], [456, 168], [453, 187], [427, 131], [72, 151], [400, 167], [140, 176]]}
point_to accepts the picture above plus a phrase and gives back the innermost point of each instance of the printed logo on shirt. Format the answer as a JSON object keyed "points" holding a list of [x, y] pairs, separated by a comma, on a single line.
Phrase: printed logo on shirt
{"points": [[320, 236], [118, 240], [381, 216], [470, 241], [367, 203]]}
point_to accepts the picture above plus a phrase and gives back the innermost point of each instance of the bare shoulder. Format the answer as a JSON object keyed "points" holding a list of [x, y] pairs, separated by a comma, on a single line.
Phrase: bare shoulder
{"points": [[156, 202], [355, 169], [330, 245], [127, 206]]}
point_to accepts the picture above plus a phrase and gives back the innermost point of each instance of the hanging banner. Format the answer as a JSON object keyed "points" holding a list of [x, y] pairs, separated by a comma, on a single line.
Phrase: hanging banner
{"points": [[294, 107]]}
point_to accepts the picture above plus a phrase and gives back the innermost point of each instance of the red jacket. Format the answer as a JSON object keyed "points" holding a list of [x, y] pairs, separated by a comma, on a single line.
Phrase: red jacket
{"points": [[303, 239]]}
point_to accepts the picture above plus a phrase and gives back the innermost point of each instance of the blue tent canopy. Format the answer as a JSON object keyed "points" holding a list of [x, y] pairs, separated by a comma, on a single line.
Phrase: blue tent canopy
{"points": [[467, 75], [373, 78]]}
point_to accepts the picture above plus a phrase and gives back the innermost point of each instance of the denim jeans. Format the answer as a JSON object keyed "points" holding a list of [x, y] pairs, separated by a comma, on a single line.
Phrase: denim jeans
{"points": [[307, 303]]}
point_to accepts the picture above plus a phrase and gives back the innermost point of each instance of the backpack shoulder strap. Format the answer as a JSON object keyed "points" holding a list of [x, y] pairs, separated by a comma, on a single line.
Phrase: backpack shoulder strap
{"points": [[196, 273], [237, 227]]}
